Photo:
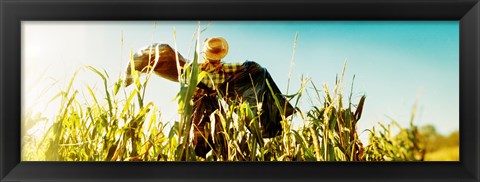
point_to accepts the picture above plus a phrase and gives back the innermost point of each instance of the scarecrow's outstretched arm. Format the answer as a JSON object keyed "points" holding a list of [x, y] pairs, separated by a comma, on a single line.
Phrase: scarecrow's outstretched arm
{"points": [[165, 67]]}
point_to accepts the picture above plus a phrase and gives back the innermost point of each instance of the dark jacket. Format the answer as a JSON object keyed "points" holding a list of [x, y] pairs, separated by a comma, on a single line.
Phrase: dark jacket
{"points": [[248, 83]]}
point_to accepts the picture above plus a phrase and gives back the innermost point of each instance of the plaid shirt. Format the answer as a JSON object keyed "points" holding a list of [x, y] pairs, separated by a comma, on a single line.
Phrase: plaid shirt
{"points": [[216, 76]]}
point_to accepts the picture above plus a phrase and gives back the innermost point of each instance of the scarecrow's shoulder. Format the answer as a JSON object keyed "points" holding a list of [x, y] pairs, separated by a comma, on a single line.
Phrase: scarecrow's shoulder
{"points": [[252, 66], [232, 65]]}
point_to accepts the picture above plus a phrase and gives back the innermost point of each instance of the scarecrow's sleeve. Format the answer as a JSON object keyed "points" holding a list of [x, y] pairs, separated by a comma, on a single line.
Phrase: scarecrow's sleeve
{"points": [[161, 57]]}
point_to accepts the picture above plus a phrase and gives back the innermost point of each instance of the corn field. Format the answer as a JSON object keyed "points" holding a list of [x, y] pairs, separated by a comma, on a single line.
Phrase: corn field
{"points": [[127, 129], [120, 126]]}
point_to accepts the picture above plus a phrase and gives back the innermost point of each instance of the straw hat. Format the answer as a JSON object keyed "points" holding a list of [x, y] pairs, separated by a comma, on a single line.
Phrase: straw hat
{"points": [[215, 48]]}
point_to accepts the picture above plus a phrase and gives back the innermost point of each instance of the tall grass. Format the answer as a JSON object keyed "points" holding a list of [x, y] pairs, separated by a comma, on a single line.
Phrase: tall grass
{"points": [[129, 130], [107, 131]]}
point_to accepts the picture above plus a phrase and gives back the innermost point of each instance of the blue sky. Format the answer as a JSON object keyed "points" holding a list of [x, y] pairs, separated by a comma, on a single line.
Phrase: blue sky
{"points": [[394, 62]]}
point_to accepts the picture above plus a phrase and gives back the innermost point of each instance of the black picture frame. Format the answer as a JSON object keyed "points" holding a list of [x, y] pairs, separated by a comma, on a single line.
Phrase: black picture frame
{"points": [[12, 12]]}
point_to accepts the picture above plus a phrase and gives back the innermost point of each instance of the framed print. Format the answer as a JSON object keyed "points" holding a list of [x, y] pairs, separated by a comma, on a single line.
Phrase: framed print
{"points": [[247, 91]]}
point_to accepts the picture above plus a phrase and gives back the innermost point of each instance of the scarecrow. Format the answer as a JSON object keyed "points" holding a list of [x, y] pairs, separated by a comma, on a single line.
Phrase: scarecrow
{"points": [[247, 81]]}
